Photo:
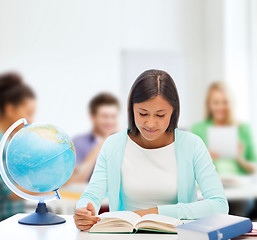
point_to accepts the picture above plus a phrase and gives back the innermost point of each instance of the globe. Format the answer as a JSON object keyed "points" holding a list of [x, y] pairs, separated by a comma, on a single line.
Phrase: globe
{"points": [[40, 157]]}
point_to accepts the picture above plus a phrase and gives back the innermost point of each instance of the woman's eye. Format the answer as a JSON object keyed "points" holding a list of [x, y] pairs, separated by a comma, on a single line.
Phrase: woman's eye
{"points": [[143, 114], [160, 115]]}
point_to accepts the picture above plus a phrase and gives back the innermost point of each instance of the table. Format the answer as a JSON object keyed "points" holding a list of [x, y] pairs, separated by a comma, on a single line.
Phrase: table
{"points": [[10, 229], [237, 187]]}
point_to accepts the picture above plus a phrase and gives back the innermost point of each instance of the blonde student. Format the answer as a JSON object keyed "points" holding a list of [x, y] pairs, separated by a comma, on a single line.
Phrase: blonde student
{"points": [[153, 166]]}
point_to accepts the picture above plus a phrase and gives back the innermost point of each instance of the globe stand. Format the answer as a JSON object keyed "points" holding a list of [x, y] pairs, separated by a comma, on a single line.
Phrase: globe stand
{"points": [[42, 217]]}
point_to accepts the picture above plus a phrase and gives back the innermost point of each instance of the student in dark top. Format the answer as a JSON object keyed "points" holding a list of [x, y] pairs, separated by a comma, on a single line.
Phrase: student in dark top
{"points": [[17, 100]]}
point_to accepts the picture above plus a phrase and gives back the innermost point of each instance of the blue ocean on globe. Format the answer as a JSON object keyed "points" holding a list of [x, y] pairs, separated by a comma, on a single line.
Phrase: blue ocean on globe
{"points": [[40, 157]]}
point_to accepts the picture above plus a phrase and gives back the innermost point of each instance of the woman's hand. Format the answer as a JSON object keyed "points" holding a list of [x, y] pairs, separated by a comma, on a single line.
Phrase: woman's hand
{"points": [[248, 166], [85, 217], [214, 155], [240, 150]]}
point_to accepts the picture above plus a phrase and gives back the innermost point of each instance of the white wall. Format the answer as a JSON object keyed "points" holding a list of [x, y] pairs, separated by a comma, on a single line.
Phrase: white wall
{"points": [[67, 50], [237, 49], [253, 64], [214, 41], [70, 50], [230, 49]]}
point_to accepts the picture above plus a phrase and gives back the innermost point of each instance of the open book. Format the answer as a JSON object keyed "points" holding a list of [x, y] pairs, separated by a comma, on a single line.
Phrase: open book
{"points": [[128, 222]]}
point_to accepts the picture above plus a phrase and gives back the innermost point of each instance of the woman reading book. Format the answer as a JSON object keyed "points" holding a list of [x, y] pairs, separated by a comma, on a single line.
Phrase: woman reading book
{"points": [[152, 167]]}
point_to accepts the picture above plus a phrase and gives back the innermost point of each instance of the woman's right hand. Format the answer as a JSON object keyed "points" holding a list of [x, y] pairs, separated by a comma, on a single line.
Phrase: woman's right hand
{"points": [[85, 217]]}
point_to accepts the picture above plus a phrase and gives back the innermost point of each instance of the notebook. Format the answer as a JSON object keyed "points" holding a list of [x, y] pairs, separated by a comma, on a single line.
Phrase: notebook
{"points": [[218, 226], [223, 140], [128, 222]]}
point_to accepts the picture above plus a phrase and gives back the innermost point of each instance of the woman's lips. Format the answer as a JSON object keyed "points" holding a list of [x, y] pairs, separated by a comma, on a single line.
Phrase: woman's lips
{"points": [[150, 131]]}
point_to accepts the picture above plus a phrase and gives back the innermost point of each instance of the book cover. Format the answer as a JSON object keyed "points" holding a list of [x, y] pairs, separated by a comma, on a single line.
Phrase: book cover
{"points": [[218, 226]]}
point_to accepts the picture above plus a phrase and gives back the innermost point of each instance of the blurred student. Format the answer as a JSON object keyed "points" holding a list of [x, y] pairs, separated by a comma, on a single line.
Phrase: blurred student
{"points": [[104, 111], [17, 100], [219, 112]]}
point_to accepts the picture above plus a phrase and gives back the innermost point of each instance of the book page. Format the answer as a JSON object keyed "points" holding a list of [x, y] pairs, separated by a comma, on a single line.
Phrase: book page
{"points": [[187, 220], [161, 219], [128, 216]]}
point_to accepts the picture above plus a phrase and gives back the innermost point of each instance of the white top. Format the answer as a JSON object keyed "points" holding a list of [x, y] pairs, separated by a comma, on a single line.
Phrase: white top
{"points": [[149, 176]]}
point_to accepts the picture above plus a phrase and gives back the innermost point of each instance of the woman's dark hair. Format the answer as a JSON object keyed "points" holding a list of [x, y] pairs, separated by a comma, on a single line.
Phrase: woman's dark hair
{"points": [[13, 90], [148, 85]]}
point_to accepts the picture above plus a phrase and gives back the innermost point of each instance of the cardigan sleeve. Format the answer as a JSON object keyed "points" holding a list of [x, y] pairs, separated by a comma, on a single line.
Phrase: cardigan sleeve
{"points": [[246, 133], [97, 187], [210, 185]]}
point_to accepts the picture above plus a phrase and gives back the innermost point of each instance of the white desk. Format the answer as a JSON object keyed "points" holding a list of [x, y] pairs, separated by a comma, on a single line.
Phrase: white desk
{"points": [[237, 187], [10, 229]]}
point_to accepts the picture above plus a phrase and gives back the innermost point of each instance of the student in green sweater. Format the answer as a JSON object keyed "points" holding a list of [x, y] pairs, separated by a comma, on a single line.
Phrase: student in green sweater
{"points": [[219, 112]]}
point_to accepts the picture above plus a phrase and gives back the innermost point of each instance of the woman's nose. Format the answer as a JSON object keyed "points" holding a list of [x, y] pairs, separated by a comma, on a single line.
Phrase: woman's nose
{"points": [[150, 123]]}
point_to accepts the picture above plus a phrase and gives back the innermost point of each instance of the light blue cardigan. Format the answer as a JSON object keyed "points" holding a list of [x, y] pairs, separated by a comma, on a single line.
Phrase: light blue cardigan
{"points": [[194, 163]]}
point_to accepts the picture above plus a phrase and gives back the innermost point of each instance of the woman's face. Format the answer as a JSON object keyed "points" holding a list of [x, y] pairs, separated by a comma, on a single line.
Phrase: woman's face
{"points": [[218, 105], [152, 117], [26, 109]]}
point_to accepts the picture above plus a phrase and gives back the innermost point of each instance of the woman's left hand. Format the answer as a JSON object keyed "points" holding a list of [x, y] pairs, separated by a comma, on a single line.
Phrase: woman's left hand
{"points": [[248, 166], [146, 211], [240, 149]]}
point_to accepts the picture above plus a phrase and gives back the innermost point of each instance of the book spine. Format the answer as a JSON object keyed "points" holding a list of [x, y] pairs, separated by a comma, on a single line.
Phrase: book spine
{"points": [[231, 231]]}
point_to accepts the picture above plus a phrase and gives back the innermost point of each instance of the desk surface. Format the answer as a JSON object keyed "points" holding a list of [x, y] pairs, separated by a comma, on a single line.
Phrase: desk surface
{"points": [[10, 229]]}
